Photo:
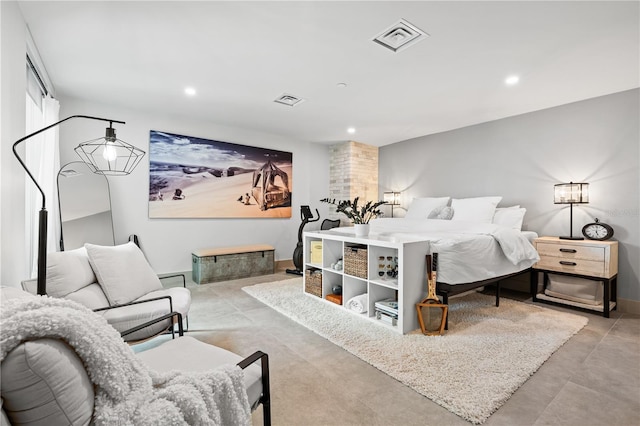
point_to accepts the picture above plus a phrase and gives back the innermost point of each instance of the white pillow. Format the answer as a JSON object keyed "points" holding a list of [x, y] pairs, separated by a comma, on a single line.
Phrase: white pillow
{"points": [[68, 271], [122, 271], [420, 208], [510, 217], [478, 209]]}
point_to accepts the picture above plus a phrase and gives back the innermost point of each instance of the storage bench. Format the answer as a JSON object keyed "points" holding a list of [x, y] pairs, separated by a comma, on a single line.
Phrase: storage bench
{"points": [[230, 263]]}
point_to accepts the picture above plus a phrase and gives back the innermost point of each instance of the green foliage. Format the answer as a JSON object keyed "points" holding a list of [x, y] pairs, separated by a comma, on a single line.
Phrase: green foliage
{"points": [[357, 214]]}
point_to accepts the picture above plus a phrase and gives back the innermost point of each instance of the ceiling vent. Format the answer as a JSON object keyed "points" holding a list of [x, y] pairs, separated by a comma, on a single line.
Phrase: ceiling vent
{"points": [[288, 100], [400, 35]]}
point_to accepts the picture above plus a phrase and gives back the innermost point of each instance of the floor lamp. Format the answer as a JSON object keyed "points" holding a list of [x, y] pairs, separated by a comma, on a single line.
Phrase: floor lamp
{"points": [[107, 155]]}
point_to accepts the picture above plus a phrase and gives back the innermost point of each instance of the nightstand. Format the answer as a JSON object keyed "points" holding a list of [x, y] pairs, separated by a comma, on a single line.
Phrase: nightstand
{"points": [[588, 259]]}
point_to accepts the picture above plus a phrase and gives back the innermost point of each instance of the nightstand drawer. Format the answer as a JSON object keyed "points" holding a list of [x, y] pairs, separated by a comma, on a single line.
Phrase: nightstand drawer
{"points": [[573, 266], [571, 252]]}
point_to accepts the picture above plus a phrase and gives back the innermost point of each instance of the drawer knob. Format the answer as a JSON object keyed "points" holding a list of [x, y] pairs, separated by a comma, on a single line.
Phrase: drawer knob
{"points": [[564, 250], [564, 262]]}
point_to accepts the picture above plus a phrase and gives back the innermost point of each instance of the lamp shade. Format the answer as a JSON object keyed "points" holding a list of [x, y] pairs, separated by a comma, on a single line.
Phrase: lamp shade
{"points": [[571, 193], [392, 198], [110, 155]]}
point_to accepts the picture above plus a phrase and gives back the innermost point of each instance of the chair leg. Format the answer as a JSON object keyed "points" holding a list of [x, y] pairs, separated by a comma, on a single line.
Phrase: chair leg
{"points": [[265, 400], [266, 392]]}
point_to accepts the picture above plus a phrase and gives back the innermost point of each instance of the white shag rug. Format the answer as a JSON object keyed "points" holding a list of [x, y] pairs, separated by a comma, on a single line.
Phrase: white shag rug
{"points": [[471, 370]]}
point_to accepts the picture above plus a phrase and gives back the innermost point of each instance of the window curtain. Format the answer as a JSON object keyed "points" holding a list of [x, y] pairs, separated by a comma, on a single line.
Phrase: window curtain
{"points": [[43, 159]]}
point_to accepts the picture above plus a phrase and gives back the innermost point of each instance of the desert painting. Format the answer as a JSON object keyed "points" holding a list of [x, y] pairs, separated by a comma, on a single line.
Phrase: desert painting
{"points": [[191, 177]]}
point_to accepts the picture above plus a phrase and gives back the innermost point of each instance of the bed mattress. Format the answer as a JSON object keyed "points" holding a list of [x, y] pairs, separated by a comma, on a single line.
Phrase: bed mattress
{"points": [[467, 251]]}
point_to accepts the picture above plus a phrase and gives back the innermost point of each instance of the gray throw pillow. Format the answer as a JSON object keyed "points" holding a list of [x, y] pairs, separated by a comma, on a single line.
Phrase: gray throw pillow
{"points": [[122, 271], [443, 212]]}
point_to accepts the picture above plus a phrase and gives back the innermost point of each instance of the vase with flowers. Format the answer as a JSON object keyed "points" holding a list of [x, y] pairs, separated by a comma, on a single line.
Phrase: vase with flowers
{"points": [[359, 215]]}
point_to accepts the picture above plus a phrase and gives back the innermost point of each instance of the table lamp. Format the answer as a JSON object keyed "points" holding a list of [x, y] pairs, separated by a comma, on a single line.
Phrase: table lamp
{"points": [[571, 193]]}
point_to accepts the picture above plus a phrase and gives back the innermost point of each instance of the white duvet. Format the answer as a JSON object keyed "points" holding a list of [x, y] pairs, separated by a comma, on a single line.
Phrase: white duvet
{"points": [[467, 251]]}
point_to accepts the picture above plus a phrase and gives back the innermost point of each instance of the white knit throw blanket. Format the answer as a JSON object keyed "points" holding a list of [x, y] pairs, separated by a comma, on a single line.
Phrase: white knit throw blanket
{"points": [[127, 391]]}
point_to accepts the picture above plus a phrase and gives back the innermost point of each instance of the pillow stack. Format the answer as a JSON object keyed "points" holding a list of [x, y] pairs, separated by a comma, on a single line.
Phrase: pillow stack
{"points": [[475, 209]]}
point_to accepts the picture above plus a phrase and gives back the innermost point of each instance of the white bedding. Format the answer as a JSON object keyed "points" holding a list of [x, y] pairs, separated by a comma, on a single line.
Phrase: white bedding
{"points": [[467, 251]]}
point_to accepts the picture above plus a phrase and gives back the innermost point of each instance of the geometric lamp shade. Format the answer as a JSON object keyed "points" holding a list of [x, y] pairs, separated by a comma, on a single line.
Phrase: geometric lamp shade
{"points": [[109, 155]]}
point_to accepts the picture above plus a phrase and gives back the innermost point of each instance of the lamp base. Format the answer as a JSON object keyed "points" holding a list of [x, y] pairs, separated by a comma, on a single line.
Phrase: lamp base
{"points": [[571, 238]]}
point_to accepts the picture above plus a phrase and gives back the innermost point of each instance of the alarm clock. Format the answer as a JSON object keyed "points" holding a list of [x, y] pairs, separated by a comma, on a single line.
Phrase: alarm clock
{"points": [[597, 231]]}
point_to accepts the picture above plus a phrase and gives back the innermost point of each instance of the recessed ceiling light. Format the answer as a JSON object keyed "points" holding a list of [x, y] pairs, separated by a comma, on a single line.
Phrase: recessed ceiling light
{"points": [[351, 130], [511, 80], [189, 91], [341, 85]]}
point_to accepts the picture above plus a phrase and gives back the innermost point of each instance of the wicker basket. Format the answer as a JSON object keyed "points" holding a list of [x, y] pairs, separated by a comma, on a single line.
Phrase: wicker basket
{"points": [[313, 282], [355, 261]]}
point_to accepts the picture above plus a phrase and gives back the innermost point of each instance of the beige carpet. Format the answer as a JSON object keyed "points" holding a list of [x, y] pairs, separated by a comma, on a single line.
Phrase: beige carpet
{"points": [[486, 355]]}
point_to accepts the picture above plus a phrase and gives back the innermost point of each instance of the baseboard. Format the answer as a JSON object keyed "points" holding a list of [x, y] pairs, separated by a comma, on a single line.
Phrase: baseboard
{"points": [[281, 265], [628, 306]]}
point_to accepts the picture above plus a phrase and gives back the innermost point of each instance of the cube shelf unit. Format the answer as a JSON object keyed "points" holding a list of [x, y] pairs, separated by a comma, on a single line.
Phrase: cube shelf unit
{"points": [[409, 286]]}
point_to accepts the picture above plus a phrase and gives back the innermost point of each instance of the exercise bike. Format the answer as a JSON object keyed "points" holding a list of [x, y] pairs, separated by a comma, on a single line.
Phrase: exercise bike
{"points": [[307, 217]]}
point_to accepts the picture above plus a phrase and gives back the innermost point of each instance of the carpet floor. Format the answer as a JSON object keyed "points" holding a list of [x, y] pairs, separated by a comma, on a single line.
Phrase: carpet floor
{"points": [[484, 357]]}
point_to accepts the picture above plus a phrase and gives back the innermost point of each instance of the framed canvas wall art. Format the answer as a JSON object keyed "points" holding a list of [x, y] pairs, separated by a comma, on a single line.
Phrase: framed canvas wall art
{"points": [[191, 177]]}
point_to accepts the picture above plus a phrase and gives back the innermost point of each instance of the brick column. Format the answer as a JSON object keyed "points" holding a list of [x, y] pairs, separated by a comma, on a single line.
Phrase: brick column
{"points": [[353, 172]]}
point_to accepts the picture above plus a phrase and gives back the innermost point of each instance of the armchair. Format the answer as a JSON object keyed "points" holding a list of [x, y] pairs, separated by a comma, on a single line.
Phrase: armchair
{"points": [[118, 283], [78, 370]]}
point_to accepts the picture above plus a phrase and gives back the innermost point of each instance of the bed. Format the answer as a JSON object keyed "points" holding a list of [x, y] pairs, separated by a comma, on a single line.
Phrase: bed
{"points": [[477, 243]]}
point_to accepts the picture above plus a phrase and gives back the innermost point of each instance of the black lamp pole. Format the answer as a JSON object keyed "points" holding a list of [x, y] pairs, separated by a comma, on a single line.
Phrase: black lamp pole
{"points": [[42, 219]]}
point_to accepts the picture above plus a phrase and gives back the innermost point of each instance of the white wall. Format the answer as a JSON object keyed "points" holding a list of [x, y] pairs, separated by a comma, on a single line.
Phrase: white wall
{"points": [[168, 243], [521, 158], [12, 127]]}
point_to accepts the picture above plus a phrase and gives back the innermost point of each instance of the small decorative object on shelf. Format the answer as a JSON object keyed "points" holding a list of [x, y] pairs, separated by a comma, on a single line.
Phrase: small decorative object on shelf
{"points": [[359, 215], [432, 315], [337, 289], [337, 266], [597, 231], [335, 298]]}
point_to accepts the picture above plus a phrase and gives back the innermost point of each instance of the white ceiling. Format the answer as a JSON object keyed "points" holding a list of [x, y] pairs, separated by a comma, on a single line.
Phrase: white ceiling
{"points": [[240, 56]]}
